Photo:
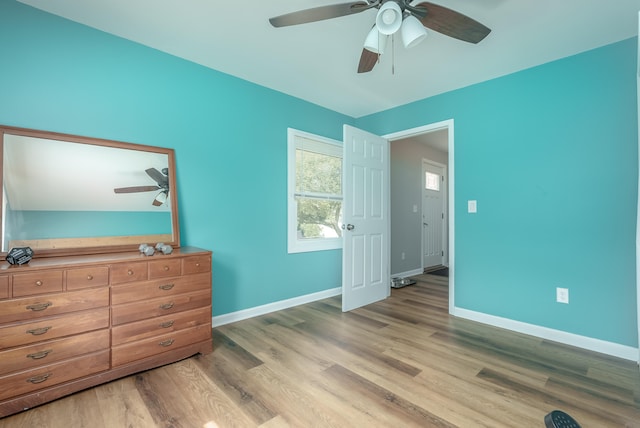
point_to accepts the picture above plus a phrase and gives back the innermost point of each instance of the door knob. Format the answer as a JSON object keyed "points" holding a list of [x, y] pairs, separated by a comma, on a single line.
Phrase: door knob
{"points": [[350, 227]]}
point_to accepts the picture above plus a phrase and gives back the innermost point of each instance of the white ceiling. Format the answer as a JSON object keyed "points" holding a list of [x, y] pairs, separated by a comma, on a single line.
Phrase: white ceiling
{"points": [[318, 61]]}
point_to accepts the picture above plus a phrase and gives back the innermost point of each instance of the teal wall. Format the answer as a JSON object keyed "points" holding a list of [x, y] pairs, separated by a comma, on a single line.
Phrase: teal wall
{"points": [[229, 135], [551, 156]]}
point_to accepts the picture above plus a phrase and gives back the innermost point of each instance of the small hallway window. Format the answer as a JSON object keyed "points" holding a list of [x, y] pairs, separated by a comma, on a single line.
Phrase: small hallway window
{"points": [[432, 181]]}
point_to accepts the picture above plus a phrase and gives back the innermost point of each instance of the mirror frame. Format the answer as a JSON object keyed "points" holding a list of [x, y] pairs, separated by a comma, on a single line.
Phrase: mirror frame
{"points": [[104, 244]]}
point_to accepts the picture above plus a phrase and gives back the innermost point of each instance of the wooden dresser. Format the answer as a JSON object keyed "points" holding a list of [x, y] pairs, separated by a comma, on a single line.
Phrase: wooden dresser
{"points": [[69, 323]]}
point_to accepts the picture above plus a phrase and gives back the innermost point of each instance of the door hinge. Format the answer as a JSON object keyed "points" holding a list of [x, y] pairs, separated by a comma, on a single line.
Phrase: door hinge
{"points": [[442, 253], [443, 216]]}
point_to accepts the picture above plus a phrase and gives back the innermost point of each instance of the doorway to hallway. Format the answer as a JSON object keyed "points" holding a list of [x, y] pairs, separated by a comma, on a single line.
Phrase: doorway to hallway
{"points": [[408, 148]]}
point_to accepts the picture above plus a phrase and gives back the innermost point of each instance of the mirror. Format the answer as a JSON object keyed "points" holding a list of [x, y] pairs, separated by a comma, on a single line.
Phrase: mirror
{"points": [[66, 194]]}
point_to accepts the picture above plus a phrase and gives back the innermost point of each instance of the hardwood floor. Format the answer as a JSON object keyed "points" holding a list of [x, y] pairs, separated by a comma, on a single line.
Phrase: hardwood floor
{"points": [[402, 362]]}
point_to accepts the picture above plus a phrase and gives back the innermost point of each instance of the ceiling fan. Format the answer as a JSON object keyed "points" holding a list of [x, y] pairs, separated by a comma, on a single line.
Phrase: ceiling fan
{"points": [[393, 16], [162, 178]]}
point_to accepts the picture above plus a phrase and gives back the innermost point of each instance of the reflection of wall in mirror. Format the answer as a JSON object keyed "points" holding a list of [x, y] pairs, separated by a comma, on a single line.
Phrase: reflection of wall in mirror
{"points": [[34, 225]]}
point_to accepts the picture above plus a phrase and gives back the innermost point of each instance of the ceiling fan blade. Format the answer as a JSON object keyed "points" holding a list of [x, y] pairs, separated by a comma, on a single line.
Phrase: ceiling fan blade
{"points": [[160, 178], [136, 189], [321, 13], [368, 60], [452, 23]]}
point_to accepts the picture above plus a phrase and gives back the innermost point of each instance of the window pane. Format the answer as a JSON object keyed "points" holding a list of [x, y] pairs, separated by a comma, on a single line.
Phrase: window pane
{"points": [[318, 173], [319, 218], [432, 181]]}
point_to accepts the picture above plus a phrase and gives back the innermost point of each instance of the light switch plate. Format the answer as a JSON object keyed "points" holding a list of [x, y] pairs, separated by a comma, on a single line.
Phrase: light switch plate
{"points": [[562, 295], [472, 206]]}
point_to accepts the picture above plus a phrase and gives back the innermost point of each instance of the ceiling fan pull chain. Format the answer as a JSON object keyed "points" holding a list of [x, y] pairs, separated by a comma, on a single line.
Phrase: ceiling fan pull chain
{"points": [[379, 54], [393, 55]]}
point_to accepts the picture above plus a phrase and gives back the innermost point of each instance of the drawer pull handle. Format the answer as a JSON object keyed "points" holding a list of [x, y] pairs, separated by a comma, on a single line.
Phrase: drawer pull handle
{"points": [[39, 306], [166, 286], [39, 355], [129, 272], [197, 264], [166, 268], [166, 305], [39, 331], [39, 379], [39, 283], [89, 277], [166, 343], [167, 324]]}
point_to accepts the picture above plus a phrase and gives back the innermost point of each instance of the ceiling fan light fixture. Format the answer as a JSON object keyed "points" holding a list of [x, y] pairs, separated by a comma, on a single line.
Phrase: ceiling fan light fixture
{"points": [[413, 32], [389, 18], [161, 198], [375, 42]]}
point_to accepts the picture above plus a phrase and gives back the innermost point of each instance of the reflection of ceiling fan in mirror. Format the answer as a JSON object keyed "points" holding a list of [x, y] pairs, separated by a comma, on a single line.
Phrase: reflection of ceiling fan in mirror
{"points": [[162, 178], [393, 16]]}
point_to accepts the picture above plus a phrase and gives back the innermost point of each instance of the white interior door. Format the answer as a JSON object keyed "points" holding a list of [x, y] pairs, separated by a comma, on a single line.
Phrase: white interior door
{"points": [[365, 252], [433, 221]]}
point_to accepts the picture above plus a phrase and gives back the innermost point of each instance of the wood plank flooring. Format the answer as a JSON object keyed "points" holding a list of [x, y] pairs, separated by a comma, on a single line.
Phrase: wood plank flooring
{"points": [[403, 362]]}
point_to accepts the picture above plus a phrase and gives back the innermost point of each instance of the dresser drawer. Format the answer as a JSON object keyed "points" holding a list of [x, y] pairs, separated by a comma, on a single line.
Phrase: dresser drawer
{"points": [[52, 351], [145, 348], [164, 268], [97, 276], [121, 314], [54, 304], [28, 284], [148, 290], [53, 374], [161, 325], [4, 286], [196, 264], [52, 328], [129, 272]]}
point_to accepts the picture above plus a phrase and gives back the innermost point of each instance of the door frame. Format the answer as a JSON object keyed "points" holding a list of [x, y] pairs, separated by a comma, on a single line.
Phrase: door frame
{"points": [[445, 210], [437, 126], [638, 214]]}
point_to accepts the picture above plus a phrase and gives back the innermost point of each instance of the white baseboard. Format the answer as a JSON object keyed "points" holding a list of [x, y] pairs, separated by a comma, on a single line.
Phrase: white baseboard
{"points": [[272, 307], [591, 344]]}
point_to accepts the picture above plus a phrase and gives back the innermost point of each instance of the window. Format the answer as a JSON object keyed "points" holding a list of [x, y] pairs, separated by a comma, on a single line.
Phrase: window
{"points": [[432, 181], [314, 192]]}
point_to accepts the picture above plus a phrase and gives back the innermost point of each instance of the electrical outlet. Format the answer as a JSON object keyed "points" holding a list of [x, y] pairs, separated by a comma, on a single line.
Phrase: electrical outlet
{"points": [[562, 295], [402, 255]]}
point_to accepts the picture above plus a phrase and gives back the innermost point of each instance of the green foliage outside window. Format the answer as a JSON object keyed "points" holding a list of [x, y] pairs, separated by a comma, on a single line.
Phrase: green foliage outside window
{"points": [[313, 214], [319, 194]]}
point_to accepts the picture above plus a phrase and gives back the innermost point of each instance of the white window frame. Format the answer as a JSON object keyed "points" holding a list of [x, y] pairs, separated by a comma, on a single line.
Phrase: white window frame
{"points": [[296, 245]]}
